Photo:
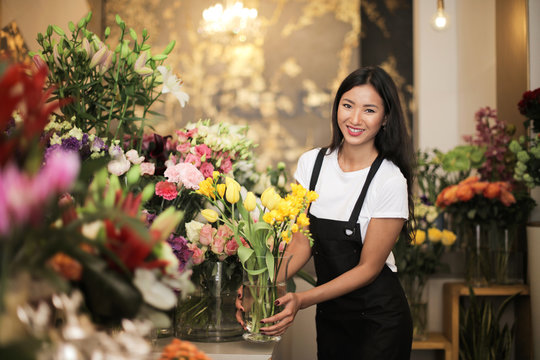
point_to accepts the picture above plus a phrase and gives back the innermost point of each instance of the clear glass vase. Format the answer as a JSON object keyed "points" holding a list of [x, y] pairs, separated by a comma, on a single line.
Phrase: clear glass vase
{"points": [[476, 238], [506, 259], [417, 297], [261, 288], [209, 314]]}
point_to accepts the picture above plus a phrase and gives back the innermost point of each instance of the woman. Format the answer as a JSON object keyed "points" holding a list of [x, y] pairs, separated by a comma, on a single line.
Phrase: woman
{"points": [[362, 180]]}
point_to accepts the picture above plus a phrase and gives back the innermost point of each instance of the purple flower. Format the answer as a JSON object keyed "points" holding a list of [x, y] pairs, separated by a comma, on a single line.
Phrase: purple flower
{"points": [[180, 249], [71, 144], [98, 144]]}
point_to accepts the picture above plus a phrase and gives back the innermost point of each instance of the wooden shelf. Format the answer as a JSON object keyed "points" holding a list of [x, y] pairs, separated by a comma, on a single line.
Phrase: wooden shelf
{"points": [[434, 341], [451, 294]]}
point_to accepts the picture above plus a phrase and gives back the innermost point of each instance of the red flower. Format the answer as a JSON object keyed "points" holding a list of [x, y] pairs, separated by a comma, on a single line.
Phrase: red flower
{"points": [[166, 190]]}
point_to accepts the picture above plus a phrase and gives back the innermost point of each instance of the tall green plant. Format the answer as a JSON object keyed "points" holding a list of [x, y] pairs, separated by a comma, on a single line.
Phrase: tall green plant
{"points": [[481, 336]]}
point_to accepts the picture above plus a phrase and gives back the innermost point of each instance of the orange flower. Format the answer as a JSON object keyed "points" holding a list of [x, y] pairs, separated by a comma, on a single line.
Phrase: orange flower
{"points": [[66, 266], [184, 350], [470, 180], [479, 187], [507, 198], [450, 195], [492, 191], [464, 192]]}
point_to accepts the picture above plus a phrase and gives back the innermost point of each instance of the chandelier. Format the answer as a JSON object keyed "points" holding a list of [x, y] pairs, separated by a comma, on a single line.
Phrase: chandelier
{"points": [[232, 22]]}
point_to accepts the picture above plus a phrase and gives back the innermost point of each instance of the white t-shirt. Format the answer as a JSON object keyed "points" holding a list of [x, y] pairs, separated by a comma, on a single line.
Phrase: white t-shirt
{"points": [[338, 192]]}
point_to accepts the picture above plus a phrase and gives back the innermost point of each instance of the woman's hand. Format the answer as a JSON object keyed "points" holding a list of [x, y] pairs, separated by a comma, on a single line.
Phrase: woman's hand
{"points": [[239, 308], [284, 319]]}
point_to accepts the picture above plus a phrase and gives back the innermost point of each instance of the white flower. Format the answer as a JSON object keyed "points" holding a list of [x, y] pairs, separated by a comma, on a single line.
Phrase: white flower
{"points": [[153, 291], [193, 228], [171, 84], [119, 165], [134, 157]]}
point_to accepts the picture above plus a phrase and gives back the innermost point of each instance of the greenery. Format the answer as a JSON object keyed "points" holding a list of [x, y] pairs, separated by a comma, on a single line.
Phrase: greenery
{"points": [[481, 336]]}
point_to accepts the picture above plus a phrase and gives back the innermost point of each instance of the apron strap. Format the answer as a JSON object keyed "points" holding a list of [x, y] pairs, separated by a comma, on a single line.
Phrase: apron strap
{"points": [[349, 230], [317, 169]]}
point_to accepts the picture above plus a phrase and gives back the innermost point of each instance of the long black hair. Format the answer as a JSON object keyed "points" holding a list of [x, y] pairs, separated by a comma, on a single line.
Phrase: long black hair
{"points": [[393, 140]]}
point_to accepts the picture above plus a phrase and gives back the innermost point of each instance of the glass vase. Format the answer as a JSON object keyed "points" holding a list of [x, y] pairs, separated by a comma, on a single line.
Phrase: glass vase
{"points": [[417, 297], [209, 314], [478, 259], [506, 259], [261, 288]]}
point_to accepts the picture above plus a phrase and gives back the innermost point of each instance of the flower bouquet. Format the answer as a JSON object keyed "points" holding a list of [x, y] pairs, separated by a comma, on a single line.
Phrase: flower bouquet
{"points": [[262, 229], [209, 314]]}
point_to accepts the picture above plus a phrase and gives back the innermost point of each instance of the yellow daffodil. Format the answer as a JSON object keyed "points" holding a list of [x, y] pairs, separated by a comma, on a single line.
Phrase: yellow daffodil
{"points": [[419, 237], [434, 234], [250, 202], [232, 193], [210, 215], [448, 238], [221, 190]]}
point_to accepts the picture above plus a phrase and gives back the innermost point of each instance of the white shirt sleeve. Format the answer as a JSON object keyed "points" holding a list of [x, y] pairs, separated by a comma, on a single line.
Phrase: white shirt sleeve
{"points": [[392, 199]]}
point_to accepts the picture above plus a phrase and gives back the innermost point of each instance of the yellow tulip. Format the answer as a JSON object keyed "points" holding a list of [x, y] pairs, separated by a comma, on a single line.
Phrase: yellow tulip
{"points": [[419, 237], [232, 193], [448, 238], [221, 189], [250, 202], [266, 195], [434, 234], [210, 215], [270, 198]]}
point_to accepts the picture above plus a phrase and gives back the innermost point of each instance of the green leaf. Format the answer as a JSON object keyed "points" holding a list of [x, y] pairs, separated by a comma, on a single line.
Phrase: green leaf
{"points": [[270, 265]]}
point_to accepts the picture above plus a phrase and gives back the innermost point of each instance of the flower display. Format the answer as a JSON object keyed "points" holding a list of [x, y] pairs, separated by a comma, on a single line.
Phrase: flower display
{"points": [[529, 106]]}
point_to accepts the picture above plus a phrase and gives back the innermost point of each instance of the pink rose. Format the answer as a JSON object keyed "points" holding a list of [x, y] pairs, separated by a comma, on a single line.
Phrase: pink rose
{"points": [[224, 231], [193, 159], [226, 165], [203, 150], [166, 190], [183, 148], [198, 254], [148, 168], [206, 169], [231, 247], [190, 175], [218, 245], [206, 234]]}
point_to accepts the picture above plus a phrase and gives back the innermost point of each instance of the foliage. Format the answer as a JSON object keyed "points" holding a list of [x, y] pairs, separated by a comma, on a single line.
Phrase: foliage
{"points": [[481, 335], [112, 89], [527, 168], [494, 136]]}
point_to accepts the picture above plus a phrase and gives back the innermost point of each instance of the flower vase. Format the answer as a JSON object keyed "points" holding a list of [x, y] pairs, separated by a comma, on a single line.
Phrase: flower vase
{"points": [[261, 288], [209, 314], [477, 262], [506, 260], [417, 297]]}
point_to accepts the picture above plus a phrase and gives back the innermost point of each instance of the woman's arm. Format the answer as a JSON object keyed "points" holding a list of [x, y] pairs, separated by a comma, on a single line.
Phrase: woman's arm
{"points": [[300, 250], [381, 236]]}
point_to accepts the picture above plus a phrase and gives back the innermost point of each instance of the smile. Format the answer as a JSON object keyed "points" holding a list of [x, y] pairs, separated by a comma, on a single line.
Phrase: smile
{"points": [[355, 131]]}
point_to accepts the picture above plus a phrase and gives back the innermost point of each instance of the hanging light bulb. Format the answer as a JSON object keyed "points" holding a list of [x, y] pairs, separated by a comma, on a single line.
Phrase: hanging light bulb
{"points": [[440, 20]]}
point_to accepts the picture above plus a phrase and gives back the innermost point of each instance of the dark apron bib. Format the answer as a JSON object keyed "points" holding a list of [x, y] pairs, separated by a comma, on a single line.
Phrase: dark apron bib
{"points": [[372, 322]]}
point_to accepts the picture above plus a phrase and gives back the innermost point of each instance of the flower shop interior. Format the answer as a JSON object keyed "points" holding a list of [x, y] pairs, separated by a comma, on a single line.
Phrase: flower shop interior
{"points": [[183, 113]]}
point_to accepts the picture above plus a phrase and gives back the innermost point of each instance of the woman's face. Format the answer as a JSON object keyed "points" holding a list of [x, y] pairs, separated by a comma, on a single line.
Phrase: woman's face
{"points": [[360, 115]]}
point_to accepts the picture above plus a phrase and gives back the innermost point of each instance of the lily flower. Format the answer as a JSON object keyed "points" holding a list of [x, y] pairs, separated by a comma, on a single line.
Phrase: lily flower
{"points": [[171, 84], [140, 67]]}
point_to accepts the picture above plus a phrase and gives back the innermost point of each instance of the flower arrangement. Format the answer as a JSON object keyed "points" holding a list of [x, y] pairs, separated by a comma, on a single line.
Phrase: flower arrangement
{"points": [[529, 106], [263, 228], [112, 89]]}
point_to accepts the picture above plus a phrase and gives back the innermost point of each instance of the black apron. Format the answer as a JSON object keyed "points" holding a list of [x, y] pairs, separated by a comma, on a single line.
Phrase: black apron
{"points": [[369, 323]]}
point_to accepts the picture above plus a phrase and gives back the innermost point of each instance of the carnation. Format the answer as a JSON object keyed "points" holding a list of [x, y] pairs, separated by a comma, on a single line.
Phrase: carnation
{"points": [[190, 175], [166, 190]]}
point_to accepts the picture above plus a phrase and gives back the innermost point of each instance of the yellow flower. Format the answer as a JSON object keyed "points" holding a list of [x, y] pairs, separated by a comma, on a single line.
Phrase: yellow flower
{"points": [[221, 190], [448, 238], [268, 218], [270, 199], [215, 175], [311, 196], [285, 236], [232, 193], [294, 228], [419, 237], [206, 188], [434, 234], [302, 220], [210, 215], [250, 202]]}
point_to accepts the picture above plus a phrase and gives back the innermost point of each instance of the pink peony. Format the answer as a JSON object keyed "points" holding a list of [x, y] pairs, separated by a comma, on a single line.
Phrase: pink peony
{"points": [[206, 234], [183, 148], [226, 165], [148, 168], [193, 159], [166, 190], [231, 247], [207, 169], [203, 150], [190, 175]]}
